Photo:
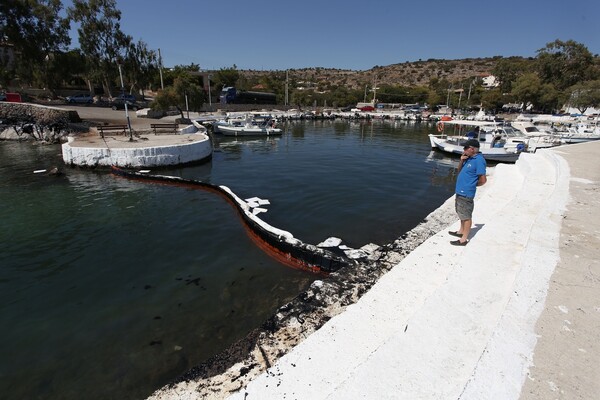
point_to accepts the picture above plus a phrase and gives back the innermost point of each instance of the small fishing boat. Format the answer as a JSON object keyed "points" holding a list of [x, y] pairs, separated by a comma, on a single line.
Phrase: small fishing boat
{"points": [[498, 142], [251, 126]]}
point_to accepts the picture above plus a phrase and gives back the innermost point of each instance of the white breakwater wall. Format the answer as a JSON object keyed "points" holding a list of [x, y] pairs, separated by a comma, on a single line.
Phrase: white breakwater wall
{"points": [[157, 156]]}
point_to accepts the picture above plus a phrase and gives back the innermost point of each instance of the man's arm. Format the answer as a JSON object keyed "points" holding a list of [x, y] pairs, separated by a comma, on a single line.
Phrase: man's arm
{"points": [[482, 180]]}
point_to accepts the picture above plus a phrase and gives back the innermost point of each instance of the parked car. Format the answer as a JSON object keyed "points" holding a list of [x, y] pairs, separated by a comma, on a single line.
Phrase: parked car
{"points": [[119, 104], [81, 98], [124, 97]]}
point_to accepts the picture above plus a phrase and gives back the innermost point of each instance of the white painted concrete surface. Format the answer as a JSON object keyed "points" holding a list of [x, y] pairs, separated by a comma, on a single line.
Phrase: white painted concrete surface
{"points": [[447, 322], [154, 151]]}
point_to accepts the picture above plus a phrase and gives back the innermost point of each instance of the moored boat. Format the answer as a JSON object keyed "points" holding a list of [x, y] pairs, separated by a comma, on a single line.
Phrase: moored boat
{"points": [[498, 142], [251, 126], [537, 138], [580, 133]]}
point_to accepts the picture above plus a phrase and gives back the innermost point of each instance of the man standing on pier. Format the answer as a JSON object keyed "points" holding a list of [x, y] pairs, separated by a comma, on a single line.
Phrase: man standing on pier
{"points": [[471, 173]]}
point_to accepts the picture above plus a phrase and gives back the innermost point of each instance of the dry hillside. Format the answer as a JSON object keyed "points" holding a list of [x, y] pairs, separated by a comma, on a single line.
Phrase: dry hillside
{"points": [[418, 73]]}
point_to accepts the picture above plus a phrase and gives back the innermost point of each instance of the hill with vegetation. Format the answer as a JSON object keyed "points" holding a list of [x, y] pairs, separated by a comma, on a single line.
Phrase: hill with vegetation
{"points": [[416, 73], [563, 72]]}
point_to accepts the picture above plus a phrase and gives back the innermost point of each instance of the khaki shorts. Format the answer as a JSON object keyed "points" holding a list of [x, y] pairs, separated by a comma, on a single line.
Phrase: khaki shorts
{"points": [[464, 207]]}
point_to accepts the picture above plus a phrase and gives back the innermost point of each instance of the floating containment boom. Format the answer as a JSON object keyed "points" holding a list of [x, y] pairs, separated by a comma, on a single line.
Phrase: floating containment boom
{"points": [[279, 244]]}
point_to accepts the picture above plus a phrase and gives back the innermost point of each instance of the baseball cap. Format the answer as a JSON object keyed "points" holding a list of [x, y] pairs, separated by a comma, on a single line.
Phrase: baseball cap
{"points": [[471, 143]]}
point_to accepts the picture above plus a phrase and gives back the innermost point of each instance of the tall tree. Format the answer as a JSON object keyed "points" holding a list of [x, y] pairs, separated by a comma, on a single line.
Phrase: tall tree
{"points": [[507, 70], [584, 95], [184, 88], [564, 63], [141, 65], [38, 34], [227, 76], [493, 100], [527, 89], [530, 90], [100, 37]]}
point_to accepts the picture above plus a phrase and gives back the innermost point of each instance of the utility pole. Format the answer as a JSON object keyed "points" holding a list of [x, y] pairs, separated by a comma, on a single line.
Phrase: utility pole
{"points": [[125, 103], [374, 90], [286, 86], [187, 107], [160, 66], [209, 97]]}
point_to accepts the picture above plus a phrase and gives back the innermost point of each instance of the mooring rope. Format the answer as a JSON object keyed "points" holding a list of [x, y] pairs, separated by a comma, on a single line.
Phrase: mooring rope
{"points": [[107, 148]]}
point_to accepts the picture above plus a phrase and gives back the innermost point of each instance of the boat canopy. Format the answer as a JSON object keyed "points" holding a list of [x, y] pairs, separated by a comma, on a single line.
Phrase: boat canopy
{"points": [[464, 122]]}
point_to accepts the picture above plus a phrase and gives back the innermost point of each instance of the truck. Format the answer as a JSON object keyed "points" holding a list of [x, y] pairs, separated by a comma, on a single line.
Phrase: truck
{"points": [[231, 95], [11, 97]]}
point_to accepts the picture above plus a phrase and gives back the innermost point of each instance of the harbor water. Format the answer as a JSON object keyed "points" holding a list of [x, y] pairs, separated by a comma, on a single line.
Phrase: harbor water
{"points": [[111, 288]]}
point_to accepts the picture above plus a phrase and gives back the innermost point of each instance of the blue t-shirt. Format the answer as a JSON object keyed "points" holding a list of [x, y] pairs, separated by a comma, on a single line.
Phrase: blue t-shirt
{"points": [[466, 183]]}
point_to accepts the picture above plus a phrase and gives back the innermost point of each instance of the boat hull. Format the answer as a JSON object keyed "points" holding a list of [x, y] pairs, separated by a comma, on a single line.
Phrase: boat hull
{"points": [[490, 153], [248, 131]]}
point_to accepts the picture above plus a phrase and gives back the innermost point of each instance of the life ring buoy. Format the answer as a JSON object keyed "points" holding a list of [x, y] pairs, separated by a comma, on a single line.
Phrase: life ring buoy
{"points": [[440, 127]]}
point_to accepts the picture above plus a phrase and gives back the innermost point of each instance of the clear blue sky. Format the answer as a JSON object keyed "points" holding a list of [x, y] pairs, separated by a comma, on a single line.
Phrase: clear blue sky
{"points": [[351, 34]]}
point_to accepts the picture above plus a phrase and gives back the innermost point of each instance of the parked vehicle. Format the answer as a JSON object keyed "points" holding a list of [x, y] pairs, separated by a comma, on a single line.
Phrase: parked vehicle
{"points": [[12, 97], [124, 97], [120, 105], [118, 102], [80, 98], [231, 95]]}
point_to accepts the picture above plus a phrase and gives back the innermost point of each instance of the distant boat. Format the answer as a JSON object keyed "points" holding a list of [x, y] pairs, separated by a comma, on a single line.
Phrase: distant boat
{"points": [[252, 125], [498, 142], [580, 133]]}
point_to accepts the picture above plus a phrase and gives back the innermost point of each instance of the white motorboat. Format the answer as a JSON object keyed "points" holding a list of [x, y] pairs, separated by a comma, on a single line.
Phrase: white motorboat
{"points": [[230, 120], [498, 142], [537, 138], [580, 133], [251, 126]]}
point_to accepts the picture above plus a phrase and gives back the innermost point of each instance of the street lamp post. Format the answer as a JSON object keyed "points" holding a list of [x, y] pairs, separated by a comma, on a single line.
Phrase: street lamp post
{"points": [[125, 103], [209, 98], [187, 107], [160, 66]]}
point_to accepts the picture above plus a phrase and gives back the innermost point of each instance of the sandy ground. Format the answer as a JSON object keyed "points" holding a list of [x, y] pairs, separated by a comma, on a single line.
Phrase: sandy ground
{"points": [[107, 116], [566, 364]]}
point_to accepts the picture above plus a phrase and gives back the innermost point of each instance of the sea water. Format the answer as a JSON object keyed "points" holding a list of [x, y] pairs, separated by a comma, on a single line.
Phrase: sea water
{"points": [[111, 288]]}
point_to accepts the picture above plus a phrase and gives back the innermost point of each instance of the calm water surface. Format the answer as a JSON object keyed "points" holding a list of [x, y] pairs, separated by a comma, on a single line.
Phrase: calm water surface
{"points": [[111, 288]]}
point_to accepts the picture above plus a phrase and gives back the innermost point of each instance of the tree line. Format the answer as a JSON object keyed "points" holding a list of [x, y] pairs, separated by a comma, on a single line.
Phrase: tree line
{"points": [[37, 31]]}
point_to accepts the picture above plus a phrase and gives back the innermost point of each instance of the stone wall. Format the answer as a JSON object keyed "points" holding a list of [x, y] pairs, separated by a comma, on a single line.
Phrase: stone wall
{"points": [[23, 121], [34, 113]]}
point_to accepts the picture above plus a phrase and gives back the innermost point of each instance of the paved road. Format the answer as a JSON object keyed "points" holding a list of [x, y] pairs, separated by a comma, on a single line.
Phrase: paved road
{"points": [[108, 116], [566, 364]]}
